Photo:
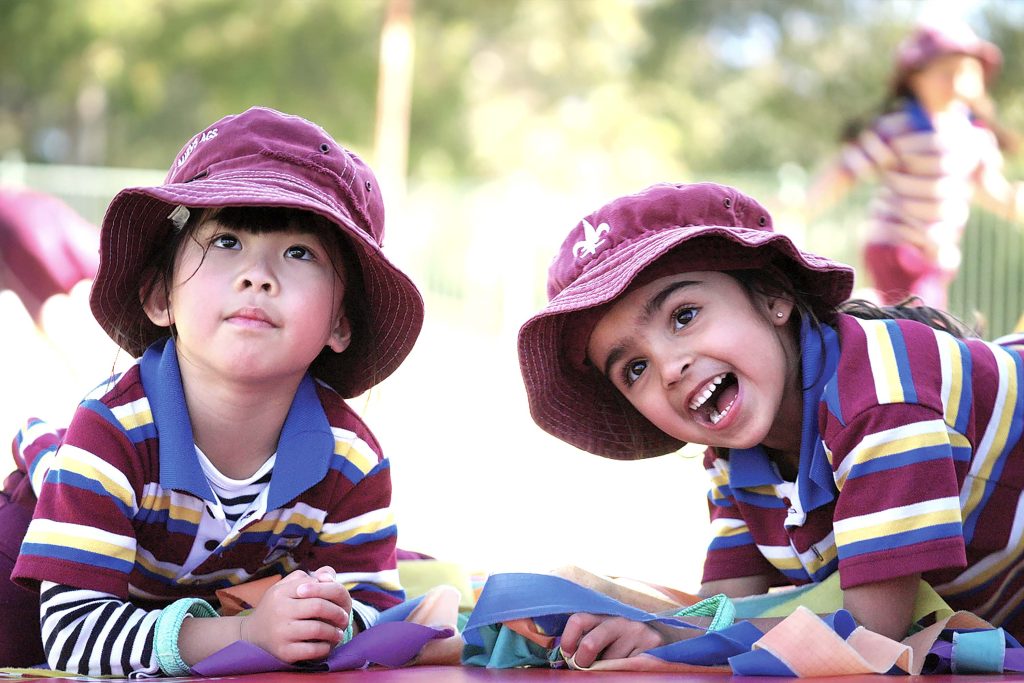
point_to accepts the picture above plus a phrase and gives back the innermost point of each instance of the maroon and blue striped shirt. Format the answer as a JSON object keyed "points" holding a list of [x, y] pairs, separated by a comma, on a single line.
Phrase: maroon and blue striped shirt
{"points": [[911, 461], [122, 498]]}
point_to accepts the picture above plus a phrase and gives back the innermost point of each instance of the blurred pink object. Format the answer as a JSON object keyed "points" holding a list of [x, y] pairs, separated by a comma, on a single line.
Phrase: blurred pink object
{"points": [[46, 247], [930, 41]]}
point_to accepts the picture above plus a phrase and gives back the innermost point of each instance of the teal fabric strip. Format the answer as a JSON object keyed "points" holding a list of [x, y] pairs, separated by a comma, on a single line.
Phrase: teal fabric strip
{"points": [[718, 607], [978, 652], [503, 648]]}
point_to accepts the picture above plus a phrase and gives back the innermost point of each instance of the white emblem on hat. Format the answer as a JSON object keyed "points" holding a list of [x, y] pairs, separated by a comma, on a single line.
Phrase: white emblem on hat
{"points": [[591, 239]]}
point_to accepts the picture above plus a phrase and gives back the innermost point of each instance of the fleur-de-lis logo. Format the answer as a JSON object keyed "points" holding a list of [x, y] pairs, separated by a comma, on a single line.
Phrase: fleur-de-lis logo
{"points": [[591, 239]]}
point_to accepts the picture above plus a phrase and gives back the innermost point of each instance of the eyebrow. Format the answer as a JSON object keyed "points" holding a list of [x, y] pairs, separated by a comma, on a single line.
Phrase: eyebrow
{"points": [[650, 308]]}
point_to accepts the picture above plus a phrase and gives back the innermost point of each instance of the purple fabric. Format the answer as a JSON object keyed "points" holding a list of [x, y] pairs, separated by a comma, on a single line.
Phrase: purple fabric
{"points": [[411, 555], [20, 642], [389, 644]]}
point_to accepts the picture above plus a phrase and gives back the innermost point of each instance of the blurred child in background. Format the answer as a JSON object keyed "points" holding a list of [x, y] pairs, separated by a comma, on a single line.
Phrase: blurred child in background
{"points": [[934, 149], [252, 288]]}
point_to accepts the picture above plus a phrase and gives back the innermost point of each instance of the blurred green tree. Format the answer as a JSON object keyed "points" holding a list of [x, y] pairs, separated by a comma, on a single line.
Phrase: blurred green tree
{"points": [[582, 91]]}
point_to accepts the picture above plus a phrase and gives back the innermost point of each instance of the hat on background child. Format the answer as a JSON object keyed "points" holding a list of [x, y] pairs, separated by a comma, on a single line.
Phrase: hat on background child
{"points": [[263, 157], [929, 41], [702, 226]]}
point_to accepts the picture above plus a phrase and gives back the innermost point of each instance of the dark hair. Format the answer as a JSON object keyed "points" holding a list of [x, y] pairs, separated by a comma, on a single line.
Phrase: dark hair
{"points": [[773, 282], [262, 220], [910, 308]]}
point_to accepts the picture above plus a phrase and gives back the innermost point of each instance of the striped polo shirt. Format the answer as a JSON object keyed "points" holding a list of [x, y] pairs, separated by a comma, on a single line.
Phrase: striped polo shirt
{"points": [[928, 170], [123, 497], [911, 461]]}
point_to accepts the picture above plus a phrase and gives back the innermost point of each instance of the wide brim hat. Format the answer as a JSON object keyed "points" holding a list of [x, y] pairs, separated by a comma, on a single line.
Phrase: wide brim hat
{"points": [[262, 157], [702, 226], [929, 41]]}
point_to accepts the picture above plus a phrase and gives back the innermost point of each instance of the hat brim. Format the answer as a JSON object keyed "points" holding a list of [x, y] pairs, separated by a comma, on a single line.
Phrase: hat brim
{"points": [[136, 223], [579, 405]]}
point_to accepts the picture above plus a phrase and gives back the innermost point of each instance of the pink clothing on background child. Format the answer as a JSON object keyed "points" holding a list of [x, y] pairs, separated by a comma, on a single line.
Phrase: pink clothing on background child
{"points": [[928, 172], [932, 151]]}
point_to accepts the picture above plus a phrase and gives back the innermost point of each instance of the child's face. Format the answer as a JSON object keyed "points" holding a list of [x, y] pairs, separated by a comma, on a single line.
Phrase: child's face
{"points": [[947, 79], [703, 360], [253, 306]]}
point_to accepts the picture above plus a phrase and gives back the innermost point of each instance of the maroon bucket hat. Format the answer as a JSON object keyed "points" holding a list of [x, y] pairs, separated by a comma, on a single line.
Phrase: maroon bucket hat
{"points": [[929, 41], [262, 157], [702, 226]]}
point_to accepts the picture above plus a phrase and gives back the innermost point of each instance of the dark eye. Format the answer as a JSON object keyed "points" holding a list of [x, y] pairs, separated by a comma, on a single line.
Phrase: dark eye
{"points": [[632, 370], [226, 241], [684, 316], [297, 251]]}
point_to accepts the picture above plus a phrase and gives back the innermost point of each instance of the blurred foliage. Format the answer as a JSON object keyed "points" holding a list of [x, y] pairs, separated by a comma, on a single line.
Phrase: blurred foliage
{"points": [[570, 92]]}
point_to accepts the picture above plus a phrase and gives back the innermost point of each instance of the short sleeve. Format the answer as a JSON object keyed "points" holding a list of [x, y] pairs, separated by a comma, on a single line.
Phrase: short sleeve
{"points": [[898, 508], [81, 534]]}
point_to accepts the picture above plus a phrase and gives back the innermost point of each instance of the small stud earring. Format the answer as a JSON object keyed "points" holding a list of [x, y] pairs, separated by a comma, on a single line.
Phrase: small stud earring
{"points": [[779, 314]]}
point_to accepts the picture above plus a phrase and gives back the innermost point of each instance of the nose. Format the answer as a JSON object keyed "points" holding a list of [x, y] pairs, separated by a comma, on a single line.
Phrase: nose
{"points": [[672, 366], [258, 274]]}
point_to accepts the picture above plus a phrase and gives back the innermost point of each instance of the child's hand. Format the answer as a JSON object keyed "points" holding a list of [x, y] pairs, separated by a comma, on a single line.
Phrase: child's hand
{"points": [[587, 637], [332, 590], [299, 618]]}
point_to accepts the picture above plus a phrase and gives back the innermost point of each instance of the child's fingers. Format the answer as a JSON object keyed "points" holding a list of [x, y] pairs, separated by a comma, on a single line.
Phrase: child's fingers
{"points": [[297, 576], [325, 574], [611, 638], [315, 629], [592, 644], [627, 639], [305, 650], [332, 591], [575, 628], [325, 611]]}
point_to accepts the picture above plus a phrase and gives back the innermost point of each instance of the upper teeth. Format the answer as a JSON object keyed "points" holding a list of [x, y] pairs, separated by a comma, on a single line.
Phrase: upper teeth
{"points": [[707, 391]]}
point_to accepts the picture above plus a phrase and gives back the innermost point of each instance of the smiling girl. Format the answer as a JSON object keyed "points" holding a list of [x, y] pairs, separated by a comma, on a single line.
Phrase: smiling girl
{"points": [[881, 444]]}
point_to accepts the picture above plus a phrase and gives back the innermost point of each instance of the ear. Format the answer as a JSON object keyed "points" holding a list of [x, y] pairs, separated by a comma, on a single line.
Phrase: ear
{"points": [[779, 310], [157, 305], [341, 335]]}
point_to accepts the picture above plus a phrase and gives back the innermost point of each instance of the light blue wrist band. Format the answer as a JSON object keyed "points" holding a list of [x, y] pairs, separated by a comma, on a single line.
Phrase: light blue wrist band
{"points": [[168, 627]]}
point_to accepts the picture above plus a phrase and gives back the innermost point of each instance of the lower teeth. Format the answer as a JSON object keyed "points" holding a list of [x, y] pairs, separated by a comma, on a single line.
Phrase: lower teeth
{"points": [[717, 416]]}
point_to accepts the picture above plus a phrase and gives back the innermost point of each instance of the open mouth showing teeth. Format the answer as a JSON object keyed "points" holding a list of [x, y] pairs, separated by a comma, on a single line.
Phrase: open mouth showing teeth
{"points": [[715, 399]]}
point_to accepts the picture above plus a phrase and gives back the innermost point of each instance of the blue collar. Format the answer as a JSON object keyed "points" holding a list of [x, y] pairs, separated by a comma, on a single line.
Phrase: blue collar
{"points": [[919, 118], [304, 449], [751, 467], [921, 121]]}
